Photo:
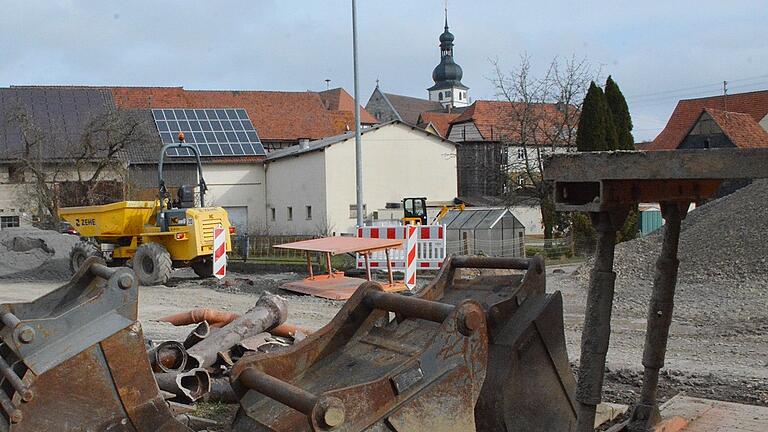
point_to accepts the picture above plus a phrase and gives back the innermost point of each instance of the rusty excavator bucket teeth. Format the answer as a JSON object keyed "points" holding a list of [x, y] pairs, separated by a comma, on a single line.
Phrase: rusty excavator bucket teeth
{"points": [[529, 384], [362, 373], [75, 359]]}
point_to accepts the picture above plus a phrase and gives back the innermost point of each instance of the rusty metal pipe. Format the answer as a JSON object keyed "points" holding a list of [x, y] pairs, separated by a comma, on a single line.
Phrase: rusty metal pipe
{"points": [[490, 262], [101, 270], [202, 331], [189, 386], [281, 391], [10, 320], [290, 330], [214, 317], [169, 356], [410, 307], [14, 414], [269, 312], [21, 388], [222, 391]]}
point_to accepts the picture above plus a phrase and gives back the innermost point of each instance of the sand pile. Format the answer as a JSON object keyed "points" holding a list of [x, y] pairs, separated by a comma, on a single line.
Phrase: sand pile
{"points": [[34, 254]]}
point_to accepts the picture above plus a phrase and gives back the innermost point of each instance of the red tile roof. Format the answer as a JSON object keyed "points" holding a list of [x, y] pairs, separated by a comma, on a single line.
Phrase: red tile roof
{"points": [[440, 120], [339, 100], [740, 128], [276, 115], [496, 120], [687, 113]]}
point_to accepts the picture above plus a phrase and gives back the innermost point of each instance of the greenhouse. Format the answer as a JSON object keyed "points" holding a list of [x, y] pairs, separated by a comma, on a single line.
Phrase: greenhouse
{"points": [[484, 231]]}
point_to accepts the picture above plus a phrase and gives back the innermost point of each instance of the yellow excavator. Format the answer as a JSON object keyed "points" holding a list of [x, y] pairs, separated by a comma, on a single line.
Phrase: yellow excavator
{"points": [[415, 211], [152, 236]]}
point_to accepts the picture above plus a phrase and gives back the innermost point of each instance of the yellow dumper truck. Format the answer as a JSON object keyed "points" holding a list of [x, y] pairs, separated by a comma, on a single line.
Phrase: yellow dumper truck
{"points": [[151, 236]]}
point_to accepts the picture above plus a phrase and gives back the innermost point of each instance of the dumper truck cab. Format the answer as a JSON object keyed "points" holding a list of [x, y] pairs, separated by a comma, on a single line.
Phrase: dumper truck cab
{"points": [[153, 237]]}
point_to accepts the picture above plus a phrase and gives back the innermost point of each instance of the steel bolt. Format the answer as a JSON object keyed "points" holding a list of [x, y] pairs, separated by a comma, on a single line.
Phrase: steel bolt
{"points": [[125, 282], [25, 334], [469, 321], [329, 412], [333, 416]]}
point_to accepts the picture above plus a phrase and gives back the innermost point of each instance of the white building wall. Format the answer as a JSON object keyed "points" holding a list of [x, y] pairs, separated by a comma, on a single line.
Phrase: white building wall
{"points": [[530, 217], [398, 161], [298, 182], [236, 186]]}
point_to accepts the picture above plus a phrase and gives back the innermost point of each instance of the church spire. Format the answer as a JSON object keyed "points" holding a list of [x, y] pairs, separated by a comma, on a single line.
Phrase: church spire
{"points": [[448, 89]]}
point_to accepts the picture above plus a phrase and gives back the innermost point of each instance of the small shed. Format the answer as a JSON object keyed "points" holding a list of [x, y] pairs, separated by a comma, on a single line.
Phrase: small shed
{"points": [[491, 231]]}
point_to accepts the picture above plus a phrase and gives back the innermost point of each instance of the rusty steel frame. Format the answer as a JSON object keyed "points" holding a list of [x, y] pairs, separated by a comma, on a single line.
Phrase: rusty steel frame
{"points": [[76, 357], [423, 373], [607, 184]]}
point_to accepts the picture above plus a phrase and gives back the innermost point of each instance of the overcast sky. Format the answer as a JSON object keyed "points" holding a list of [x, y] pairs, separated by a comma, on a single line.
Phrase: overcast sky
{"points": [[658, 51]]}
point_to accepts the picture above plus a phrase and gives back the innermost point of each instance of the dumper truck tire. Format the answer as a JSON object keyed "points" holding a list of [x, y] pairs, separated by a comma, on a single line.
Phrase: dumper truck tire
{"points": [[80, 252], [203, 268], [152, 264]]}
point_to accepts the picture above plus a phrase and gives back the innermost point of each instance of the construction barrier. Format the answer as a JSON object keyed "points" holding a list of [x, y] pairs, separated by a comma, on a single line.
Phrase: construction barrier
{"points": [[410, 246], [219, 252], [430, 246]]}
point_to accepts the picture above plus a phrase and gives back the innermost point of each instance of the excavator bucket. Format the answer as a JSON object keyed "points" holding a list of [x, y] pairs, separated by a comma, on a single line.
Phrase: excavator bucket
{"points": [[362, 372], [529, 384], [75, 359]]}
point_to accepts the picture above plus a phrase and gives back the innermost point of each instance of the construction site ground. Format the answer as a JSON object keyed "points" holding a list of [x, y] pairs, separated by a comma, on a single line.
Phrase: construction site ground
{"points": [[724, 359]]}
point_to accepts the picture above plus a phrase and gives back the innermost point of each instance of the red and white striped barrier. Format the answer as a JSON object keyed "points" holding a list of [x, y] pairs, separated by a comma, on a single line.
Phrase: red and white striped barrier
{"points": [[410, 246], [430, 246], [219, 252]]}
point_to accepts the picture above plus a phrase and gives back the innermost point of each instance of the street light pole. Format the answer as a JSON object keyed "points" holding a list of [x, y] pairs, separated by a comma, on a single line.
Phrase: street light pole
{"points": [[358, 143]]}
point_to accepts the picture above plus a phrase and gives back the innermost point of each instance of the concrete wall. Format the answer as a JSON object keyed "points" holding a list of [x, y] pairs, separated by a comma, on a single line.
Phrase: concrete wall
{"points": [[297, 182], [238, 185], [398, 161]]}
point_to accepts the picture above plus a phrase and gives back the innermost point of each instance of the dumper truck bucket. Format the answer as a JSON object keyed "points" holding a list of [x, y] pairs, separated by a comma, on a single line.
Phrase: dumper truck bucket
{"points": [[75, 359], [361, 372], [529, 385]]}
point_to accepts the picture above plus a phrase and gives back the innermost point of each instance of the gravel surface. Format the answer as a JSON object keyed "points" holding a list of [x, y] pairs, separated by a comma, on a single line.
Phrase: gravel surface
{"points": [[34, 254]]}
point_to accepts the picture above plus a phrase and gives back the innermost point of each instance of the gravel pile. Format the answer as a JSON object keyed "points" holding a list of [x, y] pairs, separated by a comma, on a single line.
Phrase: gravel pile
{"points": [[34, 254], [724, 240], [723, 261]]}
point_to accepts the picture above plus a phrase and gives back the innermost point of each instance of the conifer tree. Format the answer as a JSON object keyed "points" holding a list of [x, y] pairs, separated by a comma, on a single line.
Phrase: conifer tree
{"points": [[596, 130], [622, 121]]}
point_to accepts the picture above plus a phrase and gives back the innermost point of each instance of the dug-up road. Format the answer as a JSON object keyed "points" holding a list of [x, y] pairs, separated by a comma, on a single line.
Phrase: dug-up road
{"points": [[719, 360]]}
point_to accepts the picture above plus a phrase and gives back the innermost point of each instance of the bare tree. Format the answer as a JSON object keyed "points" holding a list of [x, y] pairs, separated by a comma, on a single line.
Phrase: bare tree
{"points": [[90, 169], [542, 117]]}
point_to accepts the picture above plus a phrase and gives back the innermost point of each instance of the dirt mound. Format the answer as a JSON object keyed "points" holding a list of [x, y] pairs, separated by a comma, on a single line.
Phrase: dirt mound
{"points": [[34, 254]]}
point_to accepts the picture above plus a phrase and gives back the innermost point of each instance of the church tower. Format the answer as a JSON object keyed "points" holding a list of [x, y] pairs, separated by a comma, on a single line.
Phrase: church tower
{"points": [[448, 89]]}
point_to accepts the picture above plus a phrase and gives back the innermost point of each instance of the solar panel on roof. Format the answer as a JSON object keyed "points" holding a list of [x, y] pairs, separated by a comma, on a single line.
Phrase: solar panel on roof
{"points": [[215, 132]]}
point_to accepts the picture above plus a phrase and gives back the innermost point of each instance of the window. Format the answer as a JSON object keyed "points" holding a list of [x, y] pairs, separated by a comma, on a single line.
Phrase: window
{"points": [[353, 211], [521, 181], [273, 213], [309, 212], [521, 153], [290, 213], [15, 174], [9, 222], [440, 95]]}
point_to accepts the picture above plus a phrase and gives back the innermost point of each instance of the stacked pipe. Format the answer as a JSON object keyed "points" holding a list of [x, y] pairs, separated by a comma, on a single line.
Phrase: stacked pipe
{"points": [[198, 367]]}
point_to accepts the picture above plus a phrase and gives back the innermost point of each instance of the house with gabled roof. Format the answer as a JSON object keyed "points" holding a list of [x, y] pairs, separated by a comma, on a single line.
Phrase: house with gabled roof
{"points": [[731, 120], [230, 129]]}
